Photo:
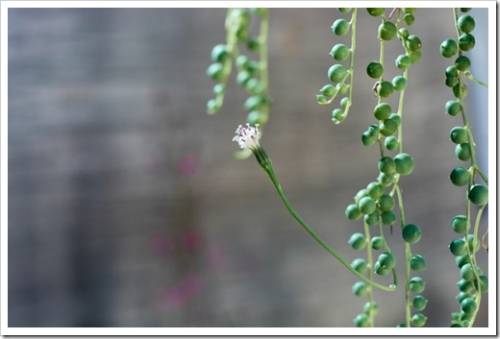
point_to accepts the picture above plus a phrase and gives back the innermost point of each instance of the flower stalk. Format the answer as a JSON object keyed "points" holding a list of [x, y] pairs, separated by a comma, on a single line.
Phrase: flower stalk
{"points": [[248, 137]]}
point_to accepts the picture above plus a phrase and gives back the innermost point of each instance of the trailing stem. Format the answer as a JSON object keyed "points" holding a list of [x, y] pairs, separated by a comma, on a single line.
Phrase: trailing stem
{"points": [[473, 282]]}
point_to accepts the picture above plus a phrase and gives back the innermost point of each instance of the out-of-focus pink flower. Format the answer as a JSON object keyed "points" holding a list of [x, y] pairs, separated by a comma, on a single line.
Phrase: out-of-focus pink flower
{"points": [[191, 240], [184, 291], [188, 165]]}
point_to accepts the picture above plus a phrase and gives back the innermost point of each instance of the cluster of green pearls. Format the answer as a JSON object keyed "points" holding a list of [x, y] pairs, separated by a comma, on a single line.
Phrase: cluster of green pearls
{"points": [[257, 104], [411, 233], [219, 73], [375, 203], [374, 206], [222, 55], [472, 281], [340, 72], [415, 285], [386, 133], [389, 121], [239, 38], [454, 48], [371, 205], [460, 135]]}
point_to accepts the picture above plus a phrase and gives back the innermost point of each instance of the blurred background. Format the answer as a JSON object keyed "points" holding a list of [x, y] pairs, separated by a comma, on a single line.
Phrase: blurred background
{"points": [[127, 208]]}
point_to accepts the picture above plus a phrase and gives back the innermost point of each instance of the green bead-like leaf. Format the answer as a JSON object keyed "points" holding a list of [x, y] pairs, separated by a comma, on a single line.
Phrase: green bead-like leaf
{"points": [[404, 163], [411, 233], [478, 195], [416, 285]]}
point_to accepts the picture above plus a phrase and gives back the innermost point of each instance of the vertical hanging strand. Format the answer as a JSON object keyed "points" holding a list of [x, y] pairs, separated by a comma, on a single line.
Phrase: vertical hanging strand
{"points": [[473, 282], [341, 76]]}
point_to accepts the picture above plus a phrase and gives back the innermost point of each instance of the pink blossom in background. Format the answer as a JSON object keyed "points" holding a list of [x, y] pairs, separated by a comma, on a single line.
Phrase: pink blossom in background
{"points": [[188, 241], [182, 292], [191, 240], [188, 165]]}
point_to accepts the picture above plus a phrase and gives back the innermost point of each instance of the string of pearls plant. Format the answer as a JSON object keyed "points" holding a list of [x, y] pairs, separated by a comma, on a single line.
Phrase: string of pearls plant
{"points": [[342, 77], [252, 74], [380, 204], [375, 203], [248, 135], [473, 282]]}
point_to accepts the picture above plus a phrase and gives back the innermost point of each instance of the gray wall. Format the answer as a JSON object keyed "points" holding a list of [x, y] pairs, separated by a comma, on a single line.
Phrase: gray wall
{"points": [[126, 207]]}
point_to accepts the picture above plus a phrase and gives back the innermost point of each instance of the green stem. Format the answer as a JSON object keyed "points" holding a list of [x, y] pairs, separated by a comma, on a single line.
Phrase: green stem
{"points": [[477, 81], [455, 20], [467, 74], [232, 45], [352, 60], [350, 75], [379, 99], [396, 188], [474, 261], [388, 249], [381, 146], [470, 136], [381, 234], [475, 169], [381, 61], [400, 112], [477, 222], [468, 206], [401, 102], [370, 265], [263, 54], [482, 175], [408, 255], [265, 163], [484, 240]]}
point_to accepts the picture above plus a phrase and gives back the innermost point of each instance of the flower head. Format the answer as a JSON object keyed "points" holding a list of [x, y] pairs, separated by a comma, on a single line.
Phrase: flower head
{"points": [[248, 137]]}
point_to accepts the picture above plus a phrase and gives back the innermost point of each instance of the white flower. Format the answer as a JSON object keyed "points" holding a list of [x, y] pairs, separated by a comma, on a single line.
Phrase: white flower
{"points": [[247, 137]]}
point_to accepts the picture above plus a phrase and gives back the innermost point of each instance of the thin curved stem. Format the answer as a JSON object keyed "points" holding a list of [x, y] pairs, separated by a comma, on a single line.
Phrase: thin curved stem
{"points": [[393, 11], [265, 163], [484, 240], [469, 76], [469, 135], [482, 175], [477, 222], [473, 258]]}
